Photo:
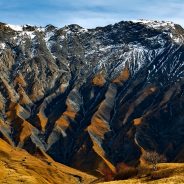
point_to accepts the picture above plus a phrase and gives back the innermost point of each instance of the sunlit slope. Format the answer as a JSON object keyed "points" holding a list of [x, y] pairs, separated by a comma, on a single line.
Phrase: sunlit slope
{"points": [[17, 166]]}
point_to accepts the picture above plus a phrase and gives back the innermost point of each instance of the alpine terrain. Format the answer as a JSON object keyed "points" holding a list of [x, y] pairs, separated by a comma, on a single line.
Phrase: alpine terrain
{"points": [[94, 100]]}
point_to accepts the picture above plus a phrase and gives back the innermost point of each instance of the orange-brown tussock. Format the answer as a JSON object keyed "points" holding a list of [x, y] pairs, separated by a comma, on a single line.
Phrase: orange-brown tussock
{"points": [[20, 80], [62, 122], [98, 127], [21, 112], [43, 120], [153, 89], [11, 114], [137, 121], [70, 111], [70, 114], [124, 75], [98, 80], [1, 105], [26, 131], [24, 99]]}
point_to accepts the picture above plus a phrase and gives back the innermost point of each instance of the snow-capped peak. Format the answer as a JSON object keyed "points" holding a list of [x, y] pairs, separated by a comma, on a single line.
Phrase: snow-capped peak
{"points": [[155, 24], [15, 27], [20, 28]]}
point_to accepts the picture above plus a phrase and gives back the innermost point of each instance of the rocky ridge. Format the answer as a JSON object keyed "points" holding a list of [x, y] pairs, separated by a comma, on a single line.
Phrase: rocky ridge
{"points": [[92, 98]]}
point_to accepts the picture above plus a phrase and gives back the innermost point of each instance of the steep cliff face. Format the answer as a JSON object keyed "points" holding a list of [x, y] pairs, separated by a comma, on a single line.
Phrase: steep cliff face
{"points": [[90, 98]]}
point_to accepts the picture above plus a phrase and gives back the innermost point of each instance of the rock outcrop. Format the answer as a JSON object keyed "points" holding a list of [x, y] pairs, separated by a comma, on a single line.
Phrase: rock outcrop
{"points": [[91, 98]]}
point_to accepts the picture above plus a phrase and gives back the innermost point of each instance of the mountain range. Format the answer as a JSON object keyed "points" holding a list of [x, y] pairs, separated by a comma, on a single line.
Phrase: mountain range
{"points": [[92, 99]]}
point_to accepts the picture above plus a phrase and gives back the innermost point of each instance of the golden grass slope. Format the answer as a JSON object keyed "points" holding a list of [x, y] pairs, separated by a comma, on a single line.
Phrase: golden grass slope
{"points": [[167, 173], [18, 166]]}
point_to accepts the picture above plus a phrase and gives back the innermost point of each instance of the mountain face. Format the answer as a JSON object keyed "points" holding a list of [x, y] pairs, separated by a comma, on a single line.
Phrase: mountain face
{"points": [[93, 98]]}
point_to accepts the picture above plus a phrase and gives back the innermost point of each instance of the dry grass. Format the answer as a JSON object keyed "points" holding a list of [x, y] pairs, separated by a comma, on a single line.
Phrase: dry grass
{"points": [[98, 80], [167, 173], [124, 75], [17, 166]]}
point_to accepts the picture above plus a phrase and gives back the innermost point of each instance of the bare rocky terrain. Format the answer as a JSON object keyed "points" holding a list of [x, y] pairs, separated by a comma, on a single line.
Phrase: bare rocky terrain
{"points": [[93, 98]]}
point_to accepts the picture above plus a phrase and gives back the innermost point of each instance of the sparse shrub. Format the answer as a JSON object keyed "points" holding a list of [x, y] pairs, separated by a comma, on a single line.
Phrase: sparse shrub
{"points": [[152, 157]]}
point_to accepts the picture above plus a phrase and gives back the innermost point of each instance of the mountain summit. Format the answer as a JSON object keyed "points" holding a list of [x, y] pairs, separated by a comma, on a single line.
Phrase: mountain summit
{"points": [[93, 98]]}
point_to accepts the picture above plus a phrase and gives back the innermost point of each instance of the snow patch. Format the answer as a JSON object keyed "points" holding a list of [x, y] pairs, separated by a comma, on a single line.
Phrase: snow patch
{"points": [[176, 38], [15, 27], [2, 46], [83, 30], [48, 36], [40, 29], [155, 24], [30, 34], [62, 37], [49, 42]]}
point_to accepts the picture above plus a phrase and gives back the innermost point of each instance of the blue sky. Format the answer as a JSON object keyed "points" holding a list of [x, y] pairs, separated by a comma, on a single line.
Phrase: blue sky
{"points": [[89, 13]]}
